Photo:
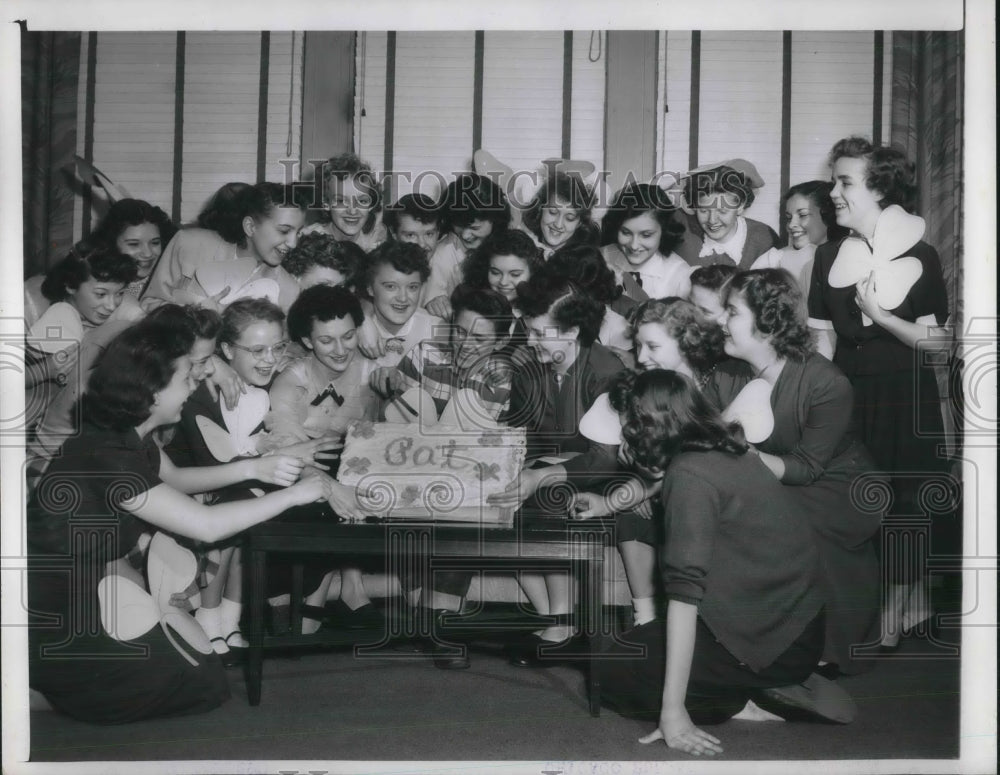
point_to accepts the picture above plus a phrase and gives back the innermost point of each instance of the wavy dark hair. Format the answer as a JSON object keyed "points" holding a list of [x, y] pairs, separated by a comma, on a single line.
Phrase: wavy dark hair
{"points": [[472, 197], [887, 170], [319, 249], [573, 191], [350, 165], [731, 185], [322, 303], [85, 262], [137, 364], [778, 308], [568, 305], [665, 414], [632, 201], [419, 207], [245, 312], [713, 277], [507, 242], [405, 257], [818, 192], [203, 323], [132, 212], [699, 339], [491, 305], [586, 267], [223, 213]]}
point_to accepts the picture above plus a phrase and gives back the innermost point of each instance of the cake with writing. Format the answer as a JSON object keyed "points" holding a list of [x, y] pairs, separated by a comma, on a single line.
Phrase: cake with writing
{"points": [[404, 471]]}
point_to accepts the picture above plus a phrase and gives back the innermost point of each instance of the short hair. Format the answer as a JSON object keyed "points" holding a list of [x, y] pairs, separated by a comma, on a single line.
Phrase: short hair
{"points": [[405, 257], [577, 194], [567, 305], [203, 323], [887, 170], [319, 249], [420, 207], [508, 242], [634, 200], [665, 414], [131, 212], [778, 309], [243, 313], [586, 267], [732, 185], [137, 364], [471, 197], [491, 305], [322, 303], [350, 165], [713, 277], [818, 192], [85, 262], [699, 339]]}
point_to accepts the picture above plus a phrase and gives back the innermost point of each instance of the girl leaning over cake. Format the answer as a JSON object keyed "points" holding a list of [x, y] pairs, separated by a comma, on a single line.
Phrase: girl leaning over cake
{"points": [[131, 571]]}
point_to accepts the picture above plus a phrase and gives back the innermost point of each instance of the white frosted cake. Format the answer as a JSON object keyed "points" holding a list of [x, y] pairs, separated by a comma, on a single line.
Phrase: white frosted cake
{"points": [[403, 471]]}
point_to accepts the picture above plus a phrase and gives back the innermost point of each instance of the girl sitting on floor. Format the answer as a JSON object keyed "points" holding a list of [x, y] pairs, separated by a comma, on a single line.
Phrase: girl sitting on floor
{"points": [[744, 611], [115, 652]]}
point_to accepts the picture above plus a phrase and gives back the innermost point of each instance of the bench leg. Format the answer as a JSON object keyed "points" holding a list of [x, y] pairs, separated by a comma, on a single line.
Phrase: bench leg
{"points": [[255, 598]]}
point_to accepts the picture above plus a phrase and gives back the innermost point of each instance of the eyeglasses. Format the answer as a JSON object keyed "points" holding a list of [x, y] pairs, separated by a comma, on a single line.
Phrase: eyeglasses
{"points": [[259, 352]]}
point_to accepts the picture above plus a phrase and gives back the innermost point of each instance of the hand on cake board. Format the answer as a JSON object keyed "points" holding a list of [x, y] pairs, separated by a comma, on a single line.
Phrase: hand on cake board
{"points": [[525, 485]]}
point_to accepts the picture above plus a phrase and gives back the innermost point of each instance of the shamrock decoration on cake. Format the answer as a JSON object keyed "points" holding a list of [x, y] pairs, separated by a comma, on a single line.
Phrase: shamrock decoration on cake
{"points": [[488, 471], [490, 439], [409, 495], [357, 465], [364, 429]]}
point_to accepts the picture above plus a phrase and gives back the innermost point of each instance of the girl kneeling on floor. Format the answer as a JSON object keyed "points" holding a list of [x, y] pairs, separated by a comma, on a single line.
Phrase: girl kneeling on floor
{"points": [[744, 612]]}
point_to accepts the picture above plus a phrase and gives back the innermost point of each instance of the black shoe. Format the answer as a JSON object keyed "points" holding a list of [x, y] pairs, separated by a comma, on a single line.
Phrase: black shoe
{"points": [[525, 652], [830, 671], [448, 657], [366, 617]]}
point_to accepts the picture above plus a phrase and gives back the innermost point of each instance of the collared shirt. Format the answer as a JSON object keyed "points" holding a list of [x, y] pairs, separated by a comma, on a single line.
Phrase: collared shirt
{"points": [[658, 276], [419, 327], [731, 247]]}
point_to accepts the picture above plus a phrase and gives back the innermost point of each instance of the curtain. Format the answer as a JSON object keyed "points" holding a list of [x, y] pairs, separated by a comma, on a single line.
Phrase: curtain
{"points": [[50, 68], [927, 115]]}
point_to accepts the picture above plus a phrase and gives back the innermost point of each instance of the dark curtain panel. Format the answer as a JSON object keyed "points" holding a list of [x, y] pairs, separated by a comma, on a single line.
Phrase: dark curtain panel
{"points": [[50, 71], [927, 115]]}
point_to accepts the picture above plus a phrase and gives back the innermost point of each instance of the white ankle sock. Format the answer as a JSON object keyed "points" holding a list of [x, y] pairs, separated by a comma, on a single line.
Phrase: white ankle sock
{"points": [[644, 610], [229, 614]]}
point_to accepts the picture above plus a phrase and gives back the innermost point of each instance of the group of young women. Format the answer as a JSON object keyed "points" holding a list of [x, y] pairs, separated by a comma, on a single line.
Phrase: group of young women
{"points": [[727, 399]]}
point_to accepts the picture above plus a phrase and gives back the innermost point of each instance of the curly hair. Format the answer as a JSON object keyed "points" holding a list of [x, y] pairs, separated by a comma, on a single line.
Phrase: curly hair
{"points": [[419, 207], [818, 192], [319, 249], [137, 364], [245, 312], [586, 268], [699, 339], [731, 185], [567, 305], [778, 309], [713, 277], [405, 257], [508, 242], [351, 166], [634, 200], [491, 305], [203, 323], [887, 170], [572, 191], [320, 304], [85, 262], [665, 414], [132, 212], [471, 197]]}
